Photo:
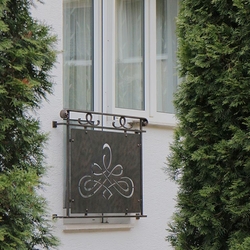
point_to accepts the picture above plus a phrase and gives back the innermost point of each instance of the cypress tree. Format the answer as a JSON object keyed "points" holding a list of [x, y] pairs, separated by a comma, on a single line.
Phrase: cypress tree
{"points": [[210, 155], [27, 56]]}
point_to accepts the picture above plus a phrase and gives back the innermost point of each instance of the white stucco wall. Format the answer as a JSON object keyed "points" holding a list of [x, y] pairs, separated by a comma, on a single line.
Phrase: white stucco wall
{"points": [[159, 193]]}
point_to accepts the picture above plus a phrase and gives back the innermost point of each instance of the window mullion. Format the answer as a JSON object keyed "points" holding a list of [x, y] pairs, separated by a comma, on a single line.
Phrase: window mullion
{"points": [[97, 55], [108, 54], [150, 55]]}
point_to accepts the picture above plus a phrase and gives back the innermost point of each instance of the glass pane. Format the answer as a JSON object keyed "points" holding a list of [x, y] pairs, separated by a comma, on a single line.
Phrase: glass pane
{"points": [[78, 55], [166, 12], [129, 82]]}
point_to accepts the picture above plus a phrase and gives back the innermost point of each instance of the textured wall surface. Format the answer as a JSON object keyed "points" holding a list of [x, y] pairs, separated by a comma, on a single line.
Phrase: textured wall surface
{"points": [[147, 233]]}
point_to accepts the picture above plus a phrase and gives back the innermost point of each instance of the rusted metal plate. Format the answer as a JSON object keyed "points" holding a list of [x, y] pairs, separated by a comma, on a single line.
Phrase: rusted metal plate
{"points": [[105, 172]]}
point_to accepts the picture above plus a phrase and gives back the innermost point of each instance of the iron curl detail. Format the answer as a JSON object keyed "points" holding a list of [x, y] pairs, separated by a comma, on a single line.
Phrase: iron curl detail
{"points": [[89, 120], [123, 122]]}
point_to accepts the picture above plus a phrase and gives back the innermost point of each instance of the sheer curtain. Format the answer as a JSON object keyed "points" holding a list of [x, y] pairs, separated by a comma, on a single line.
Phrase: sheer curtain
{"points": [[78, 54], [166, 11], [129, 83]]}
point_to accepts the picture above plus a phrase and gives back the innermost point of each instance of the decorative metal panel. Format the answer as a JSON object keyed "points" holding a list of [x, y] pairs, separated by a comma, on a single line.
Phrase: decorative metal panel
{"points": [[105, 172], [103, 164]]}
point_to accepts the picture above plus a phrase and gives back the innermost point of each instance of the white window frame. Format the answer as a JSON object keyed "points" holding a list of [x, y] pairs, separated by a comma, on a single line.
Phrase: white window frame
{"points": [[104, 63], [150, 111], [98, 61]]}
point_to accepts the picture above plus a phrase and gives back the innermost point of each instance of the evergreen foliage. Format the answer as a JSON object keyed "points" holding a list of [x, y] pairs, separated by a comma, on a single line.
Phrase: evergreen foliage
{"points": [[26, 57], [210, 159]]}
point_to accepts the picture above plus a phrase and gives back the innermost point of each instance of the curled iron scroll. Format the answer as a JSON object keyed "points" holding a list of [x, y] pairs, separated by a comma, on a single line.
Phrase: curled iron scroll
{"points": [[89, 120], [122, 124]]}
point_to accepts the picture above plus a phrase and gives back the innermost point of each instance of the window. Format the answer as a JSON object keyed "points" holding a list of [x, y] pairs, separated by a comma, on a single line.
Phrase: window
{"points": [[129, 63], [165, 53], [120, 56], [78, 54]]}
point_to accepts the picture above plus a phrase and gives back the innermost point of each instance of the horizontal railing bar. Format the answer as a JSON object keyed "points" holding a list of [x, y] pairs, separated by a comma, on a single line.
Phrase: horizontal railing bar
{"points": [[101, 127], [107, 114], [55, 216]]}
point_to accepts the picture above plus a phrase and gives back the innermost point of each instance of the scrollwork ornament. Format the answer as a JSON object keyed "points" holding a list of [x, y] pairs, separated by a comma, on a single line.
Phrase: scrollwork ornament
{"points": [[89, 120], [123, 123], [107, 179]]}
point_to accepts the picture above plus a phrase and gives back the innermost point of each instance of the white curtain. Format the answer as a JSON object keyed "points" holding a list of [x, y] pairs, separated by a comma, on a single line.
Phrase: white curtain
{"points": [[78, 54], [129, 82], [166, 12]]}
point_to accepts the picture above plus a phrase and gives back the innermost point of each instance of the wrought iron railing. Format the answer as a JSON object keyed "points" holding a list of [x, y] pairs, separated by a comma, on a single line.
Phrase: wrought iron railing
{"points": [[88, 131]]}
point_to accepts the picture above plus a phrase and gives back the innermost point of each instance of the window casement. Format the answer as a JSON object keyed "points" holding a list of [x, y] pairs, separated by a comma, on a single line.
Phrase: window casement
{"points": [[78, 54], [129, 55], [120, 57]]}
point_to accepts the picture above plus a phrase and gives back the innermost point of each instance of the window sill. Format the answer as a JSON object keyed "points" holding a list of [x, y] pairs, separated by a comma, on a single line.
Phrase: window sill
{"points": [[163, 120], [169, 125], [71, 228], [71, 225]]}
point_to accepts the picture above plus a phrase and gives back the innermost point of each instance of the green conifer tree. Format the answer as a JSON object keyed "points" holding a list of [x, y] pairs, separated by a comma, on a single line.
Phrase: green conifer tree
{"points": [[210, 159], [26, 57]]}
